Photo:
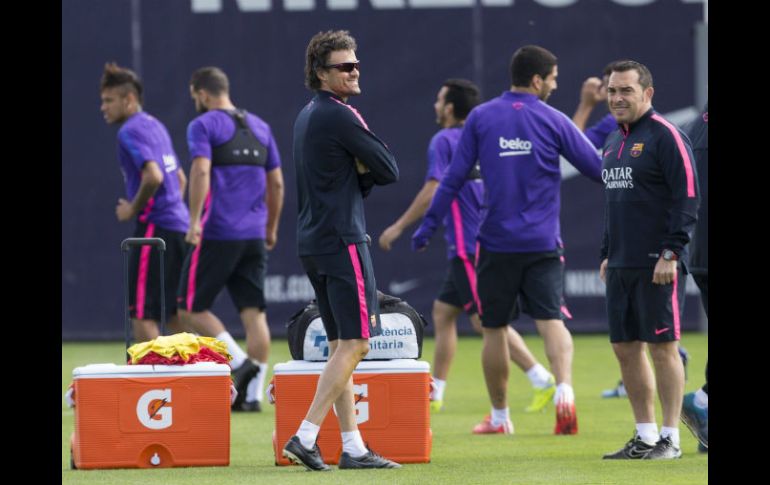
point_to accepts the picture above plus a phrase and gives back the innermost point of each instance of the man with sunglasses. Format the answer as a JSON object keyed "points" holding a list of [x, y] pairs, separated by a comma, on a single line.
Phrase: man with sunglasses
{"points": [[516, 139], [338, 160]]}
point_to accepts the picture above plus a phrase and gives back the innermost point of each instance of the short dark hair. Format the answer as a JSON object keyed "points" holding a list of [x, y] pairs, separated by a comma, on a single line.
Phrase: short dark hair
{"points": [[528, 61], [645, 76], [608, 68], [115, 76], [464, 96], [211, 79], [318, 50]]}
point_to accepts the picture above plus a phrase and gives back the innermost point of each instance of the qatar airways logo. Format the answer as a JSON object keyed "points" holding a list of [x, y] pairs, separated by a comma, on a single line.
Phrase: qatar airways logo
{"points": [[515, 147], [618, 178]]}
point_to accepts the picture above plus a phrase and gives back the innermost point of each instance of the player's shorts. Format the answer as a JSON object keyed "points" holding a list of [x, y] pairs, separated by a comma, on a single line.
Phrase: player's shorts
{"points": [[209, 267], [638, 309], [144, 273], [346, 292], [535, 279], [459, 286]]}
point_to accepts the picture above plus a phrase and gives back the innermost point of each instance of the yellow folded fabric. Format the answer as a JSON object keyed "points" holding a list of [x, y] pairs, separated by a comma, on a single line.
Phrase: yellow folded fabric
{"points": [[183, 344]]}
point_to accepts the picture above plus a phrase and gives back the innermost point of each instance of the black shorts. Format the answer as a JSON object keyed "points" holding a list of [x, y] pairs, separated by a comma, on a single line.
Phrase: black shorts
{"points": [[459, 286], [536, 280], [212, 265], [346, 292], [144, 273], [638, 309]]}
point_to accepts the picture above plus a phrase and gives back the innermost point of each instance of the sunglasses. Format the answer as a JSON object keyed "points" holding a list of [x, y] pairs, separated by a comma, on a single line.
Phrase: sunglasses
{"points": [[345, 66]]}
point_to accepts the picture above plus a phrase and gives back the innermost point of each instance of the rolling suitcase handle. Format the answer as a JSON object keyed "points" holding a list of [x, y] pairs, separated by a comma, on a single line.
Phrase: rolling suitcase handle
{"points": [[125, 246]]}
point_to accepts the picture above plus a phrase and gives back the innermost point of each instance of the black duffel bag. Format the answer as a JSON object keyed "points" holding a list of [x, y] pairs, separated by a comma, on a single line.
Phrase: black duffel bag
{"points": [[401, 338]]}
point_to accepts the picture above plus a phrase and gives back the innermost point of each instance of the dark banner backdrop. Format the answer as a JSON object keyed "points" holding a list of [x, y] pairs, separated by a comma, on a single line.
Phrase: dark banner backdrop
{"points": [[407, 48]]}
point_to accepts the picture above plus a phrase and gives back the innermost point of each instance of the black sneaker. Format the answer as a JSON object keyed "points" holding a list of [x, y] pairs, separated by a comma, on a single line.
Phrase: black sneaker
{"points": [[249, 407], [369, 460], [635, 449], [664, 450], [241, 377], [299, 455]]}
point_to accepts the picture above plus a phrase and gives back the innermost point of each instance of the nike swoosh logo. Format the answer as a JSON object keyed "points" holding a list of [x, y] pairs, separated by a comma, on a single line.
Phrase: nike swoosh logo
{"points": [[607, 153], [636, 453], [400, 287], [662, 330]]}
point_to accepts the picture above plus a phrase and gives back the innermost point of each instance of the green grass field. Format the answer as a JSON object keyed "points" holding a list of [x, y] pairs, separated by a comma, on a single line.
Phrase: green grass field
{"points": [[533, 455]]}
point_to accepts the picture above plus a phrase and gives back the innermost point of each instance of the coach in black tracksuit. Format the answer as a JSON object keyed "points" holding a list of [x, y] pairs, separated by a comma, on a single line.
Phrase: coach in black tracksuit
{"points": [[651, 190], [338, 160]]}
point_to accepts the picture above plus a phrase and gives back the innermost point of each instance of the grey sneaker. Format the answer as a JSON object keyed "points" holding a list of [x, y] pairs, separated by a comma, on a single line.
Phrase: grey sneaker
{"points": [[299, 455], [664, 450], [635, 449], [696, 419], [369, 460]]}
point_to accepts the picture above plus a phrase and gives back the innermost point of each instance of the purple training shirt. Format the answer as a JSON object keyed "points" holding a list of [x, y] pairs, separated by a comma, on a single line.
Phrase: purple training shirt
{"points": [[467, 210], [517, 140], [235, 208], [143, 138]]}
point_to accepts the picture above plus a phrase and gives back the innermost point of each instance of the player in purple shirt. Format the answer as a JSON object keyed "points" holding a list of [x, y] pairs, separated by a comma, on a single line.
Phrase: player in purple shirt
{"points": [[454, 101], [236, 196], [517, 140], [155, 185]]}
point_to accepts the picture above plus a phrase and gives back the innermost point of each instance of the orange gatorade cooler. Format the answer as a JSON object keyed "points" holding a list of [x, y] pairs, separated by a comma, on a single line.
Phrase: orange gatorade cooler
{"points": [[392, 408], [148, 416]]}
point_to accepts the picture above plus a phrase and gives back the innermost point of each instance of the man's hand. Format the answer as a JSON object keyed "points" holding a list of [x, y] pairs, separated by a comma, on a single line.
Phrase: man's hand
{"points": [[124, 210], [665, 272], [603, 271], [361, 168], [389, 236], [591, 93], [270, 239], [421, 237], [194, 234]]}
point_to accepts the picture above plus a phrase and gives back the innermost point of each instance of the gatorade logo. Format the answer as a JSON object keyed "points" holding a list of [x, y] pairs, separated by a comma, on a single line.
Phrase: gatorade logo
{"points": [[361, 391], [153, 409]]}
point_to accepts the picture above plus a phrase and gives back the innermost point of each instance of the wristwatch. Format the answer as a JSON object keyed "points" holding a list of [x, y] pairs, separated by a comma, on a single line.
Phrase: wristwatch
{"points": [[669, 255]]}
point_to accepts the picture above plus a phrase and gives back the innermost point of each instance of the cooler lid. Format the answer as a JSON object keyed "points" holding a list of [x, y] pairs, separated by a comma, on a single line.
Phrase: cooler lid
{"points": [[199, 369], [363, 367]]}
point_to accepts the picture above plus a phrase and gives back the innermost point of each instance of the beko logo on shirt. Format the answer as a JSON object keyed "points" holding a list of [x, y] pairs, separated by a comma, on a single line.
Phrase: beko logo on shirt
{"points": [[618, 178], [517, 146]]}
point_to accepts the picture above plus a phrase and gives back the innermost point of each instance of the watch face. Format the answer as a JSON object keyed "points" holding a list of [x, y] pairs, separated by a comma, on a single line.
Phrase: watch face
{"points": [[668, 255]]}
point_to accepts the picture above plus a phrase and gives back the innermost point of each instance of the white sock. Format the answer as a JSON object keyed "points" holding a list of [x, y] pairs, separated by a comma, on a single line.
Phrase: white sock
{"points": [[701, 399], [672, 433], [648, 432], [307, 433], [539, 376], [256, 389], [438, 389], [233, 348], [353, 444], [500, 416], [564, 394]]}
